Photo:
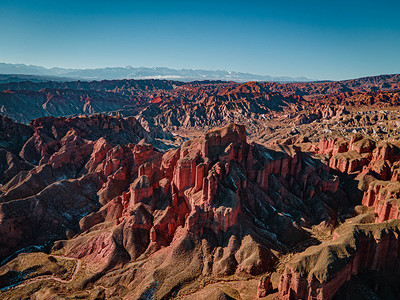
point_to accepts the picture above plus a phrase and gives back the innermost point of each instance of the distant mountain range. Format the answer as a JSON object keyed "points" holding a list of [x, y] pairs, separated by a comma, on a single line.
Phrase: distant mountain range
{"points": [[6, 78], [139, 73]]}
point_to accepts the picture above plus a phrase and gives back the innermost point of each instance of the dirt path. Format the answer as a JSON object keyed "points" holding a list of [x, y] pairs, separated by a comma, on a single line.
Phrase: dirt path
{"points": [[47, 277]]}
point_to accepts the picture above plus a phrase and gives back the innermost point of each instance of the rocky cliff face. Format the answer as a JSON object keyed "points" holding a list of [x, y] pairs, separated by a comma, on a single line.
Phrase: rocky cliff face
{"points": [[376, 165], [230, 205], [51, 183], [321, 270]]}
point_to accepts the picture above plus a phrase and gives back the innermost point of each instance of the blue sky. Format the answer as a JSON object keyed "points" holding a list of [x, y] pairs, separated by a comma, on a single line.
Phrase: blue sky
{"points": [[317, 39]]}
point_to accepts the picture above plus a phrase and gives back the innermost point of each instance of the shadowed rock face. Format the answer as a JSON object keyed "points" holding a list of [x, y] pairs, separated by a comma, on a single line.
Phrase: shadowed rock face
{"points": [[376, 166], [356, 249], [13, 135], [27, 105], [66, 169], [321, 270]]}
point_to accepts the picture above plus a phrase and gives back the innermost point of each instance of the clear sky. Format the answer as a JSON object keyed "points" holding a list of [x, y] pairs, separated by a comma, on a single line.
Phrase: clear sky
{"points": [[317, 39]]}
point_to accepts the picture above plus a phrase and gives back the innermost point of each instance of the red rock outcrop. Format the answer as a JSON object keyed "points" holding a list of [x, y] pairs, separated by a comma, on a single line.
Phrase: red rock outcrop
{"points": [[376, 161], [264, 286], [140, 189], [383, 196], [228, 204], [320, 271], [67, 153], [207, 180]]}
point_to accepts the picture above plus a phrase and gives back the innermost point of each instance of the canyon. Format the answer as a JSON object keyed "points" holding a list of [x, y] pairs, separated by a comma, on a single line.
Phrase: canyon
{"points": [[158, 189]]}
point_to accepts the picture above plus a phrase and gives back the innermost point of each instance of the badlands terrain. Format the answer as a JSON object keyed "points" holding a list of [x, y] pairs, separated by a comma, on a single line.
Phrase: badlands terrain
{"points": [[160, 189]]}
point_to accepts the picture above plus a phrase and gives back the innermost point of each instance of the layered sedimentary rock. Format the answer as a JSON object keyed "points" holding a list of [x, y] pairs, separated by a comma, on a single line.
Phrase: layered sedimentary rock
{"points": [[231, 205], [321, 270], [377, 167], [384, 197], [262, 107], [61, 174]]}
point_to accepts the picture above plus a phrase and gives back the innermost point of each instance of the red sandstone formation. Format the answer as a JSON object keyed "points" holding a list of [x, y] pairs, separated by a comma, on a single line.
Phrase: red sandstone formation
{"points": [[264, 286], [384, 197], [63, 158], [149, 223], [163, 104], [321, 270], [239, 199], [377, 166]]}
